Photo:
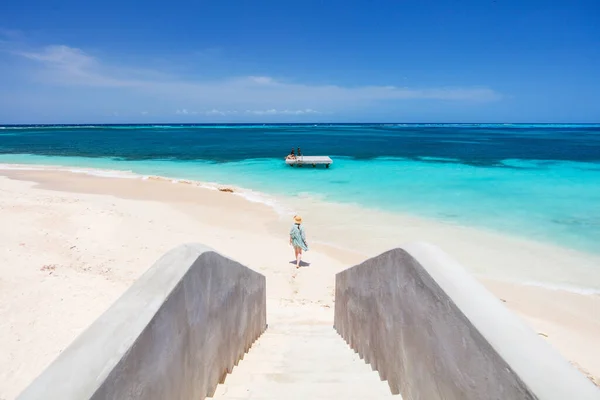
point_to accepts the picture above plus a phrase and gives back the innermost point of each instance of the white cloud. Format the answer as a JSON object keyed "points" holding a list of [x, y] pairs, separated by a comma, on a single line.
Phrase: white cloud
{"points": [[215, 112], [144, 112], [70, 57], [273, 111], [301, 112], [258, 95], [262, 80], [72, 66], [10, 33], [185, 111]]}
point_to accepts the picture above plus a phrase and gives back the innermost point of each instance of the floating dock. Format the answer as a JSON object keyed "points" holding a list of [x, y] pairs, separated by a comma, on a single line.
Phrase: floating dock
{"points": [[309, 160]]}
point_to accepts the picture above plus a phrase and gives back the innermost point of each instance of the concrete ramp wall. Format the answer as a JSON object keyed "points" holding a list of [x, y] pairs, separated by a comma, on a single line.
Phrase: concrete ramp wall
{"points": [[433, 332], [174, 334]]}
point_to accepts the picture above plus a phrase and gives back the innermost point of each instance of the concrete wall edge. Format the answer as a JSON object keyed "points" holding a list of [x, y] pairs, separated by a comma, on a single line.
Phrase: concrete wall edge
{"points": [[541, 367], [125, 319]]}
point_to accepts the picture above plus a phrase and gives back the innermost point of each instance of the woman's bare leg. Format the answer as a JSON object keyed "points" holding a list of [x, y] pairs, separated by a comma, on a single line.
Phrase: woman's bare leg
{"points": [[298, 257]]}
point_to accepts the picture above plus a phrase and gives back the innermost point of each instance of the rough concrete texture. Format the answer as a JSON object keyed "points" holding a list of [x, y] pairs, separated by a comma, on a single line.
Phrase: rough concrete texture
{"points": [[173, 335], [434, 332], [302, 360]]}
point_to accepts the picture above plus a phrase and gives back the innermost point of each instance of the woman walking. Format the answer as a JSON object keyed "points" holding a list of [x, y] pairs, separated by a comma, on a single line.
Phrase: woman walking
{"points": [[298, 239]]}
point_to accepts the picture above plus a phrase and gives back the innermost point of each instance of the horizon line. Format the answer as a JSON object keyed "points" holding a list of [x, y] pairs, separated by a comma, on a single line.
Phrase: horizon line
{"points": [[292, 123]]}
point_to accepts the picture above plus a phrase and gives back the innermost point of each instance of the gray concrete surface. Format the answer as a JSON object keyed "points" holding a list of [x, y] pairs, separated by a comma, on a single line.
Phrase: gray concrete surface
{"points": [[302, 360], [434, 332], [173, 335]]}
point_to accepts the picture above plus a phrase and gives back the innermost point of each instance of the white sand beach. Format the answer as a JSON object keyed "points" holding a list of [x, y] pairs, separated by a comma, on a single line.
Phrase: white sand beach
{"points": [[72, 243]]}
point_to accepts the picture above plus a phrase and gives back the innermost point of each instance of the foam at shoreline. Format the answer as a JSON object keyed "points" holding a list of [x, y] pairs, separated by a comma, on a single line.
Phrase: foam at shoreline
{"points": [[562, 288], [547, 201], [287, 206], [248, 194]]}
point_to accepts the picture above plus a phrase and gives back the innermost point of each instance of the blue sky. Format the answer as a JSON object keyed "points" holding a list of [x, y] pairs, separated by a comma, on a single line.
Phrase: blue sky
{"points": [[311, 61]]}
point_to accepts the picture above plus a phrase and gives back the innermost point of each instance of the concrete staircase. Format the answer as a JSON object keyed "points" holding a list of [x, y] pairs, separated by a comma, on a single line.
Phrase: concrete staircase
{"points": [[302, 361]]}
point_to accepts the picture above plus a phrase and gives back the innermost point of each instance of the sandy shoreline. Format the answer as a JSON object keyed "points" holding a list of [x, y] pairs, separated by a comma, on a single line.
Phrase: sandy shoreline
{"points": [[72, 243]]}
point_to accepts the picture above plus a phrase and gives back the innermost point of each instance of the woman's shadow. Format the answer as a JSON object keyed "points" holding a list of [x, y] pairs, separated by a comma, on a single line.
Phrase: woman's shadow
{"points": [[302, 263]]}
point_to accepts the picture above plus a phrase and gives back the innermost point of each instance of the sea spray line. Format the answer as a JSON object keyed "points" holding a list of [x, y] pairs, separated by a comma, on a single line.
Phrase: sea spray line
{"points": [[534, 200], [586, 291], [277, 203], [247, 194], [106, 173]]}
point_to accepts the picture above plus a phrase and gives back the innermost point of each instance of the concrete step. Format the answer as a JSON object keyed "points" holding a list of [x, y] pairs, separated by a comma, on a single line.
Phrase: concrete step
{"points": [[302, 396], [302, 351], [301, 342], [257, 377], [282, 351], [293, 396], [302, 354], [302, 362], [299, 397], [308, 340], [304, 390], [301, 329], [325, 368]]}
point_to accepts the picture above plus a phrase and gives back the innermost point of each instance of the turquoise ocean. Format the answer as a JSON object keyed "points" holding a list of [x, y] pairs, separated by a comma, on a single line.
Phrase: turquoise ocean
{"points": [[535, 181]]}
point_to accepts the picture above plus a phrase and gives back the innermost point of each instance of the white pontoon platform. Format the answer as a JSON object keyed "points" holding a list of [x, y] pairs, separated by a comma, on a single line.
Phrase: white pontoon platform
{"points": [[309, 160]]}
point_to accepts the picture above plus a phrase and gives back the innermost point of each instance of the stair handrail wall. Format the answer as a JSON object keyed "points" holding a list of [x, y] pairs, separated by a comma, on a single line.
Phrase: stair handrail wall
{"points": [[174, 334], [434, 332]]}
